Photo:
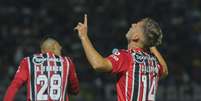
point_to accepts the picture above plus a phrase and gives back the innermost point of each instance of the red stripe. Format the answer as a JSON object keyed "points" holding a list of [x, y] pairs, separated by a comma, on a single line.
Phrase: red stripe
{"points": [[29, 78], [67, 67], [64, 77], [141, 87], [130, 81]]}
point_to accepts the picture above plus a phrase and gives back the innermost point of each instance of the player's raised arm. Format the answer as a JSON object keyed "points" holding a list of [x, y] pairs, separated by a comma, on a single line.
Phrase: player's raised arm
{"points": [[161, 60], [97, 61]]}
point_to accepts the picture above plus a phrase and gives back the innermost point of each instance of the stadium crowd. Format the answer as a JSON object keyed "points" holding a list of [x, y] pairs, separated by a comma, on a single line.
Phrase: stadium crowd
{"points": [[24, 22]]}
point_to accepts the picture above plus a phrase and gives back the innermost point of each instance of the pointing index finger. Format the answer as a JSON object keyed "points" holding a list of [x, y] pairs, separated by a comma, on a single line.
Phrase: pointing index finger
{"points": [[85, 19]]}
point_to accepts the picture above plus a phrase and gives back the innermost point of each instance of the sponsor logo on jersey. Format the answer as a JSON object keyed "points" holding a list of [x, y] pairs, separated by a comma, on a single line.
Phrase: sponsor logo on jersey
{"points": [[140, 58], [38, 60]]}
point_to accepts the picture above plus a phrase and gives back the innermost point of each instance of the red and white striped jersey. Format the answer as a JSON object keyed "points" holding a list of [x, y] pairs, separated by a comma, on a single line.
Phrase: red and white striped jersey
{"points": [[138, 74], [47, 76]]}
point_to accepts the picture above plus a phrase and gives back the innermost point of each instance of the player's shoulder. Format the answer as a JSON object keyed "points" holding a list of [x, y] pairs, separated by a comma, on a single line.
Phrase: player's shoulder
{"points": [[23, 61], [123, 53], [68, 58], [120, 54], [25, 58], [35, 55], [116, 51]]}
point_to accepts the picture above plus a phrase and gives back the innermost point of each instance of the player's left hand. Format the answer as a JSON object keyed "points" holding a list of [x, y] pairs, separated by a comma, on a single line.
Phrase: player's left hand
{"points": [[82, 28]]}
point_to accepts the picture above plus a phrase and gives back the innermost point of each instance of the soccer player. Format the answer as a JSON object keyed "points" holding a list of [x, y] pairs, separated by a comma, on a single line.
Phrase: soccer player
{"points": [[138, 68], [48, 75]]}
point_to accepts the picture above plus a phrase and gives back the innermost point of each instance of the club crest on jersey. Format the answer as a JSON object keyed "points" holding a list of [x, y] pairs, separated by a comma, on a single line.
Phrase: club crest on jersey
{"points": [[139, 58], [38, 60]]}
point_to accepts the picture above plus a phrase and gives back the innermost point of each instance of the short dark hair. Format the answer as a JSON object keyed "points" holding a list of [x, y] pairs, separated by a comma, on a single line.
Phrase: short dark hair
{"points": [[152, 32]]}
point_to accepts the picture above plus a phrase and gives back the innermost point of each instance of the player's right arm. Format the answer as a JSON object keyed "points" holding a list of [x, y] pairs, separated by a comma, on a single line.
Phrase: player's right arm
{"points": [[161, 61], [17, 82], [98, 62]]}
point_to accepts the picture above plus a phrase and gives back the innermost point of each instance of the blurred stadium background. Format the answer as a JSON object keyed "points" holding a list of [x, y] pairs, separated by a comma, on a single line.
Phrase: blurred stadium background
{"points": [[24, 22]]}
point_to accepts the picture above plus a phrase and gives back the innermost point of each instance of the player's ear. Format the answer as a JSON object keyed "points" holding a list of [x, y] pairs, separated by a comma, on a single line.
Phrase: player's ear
{"points": [[135, 37], [54, 47]]}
